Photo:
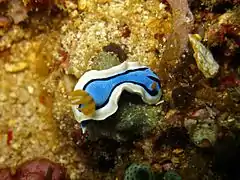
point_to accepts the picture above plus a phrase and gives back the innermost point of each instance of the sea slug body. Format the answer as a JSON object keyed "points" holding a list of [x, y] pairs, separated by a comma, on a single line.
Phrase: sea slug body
{"points": [[106, 86]]}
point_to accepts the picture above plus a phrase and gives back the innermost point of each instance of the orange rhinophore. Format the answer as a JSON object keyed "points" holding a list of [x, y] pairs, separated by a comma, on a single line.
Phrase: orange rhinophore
{"points": [[154, 86]]}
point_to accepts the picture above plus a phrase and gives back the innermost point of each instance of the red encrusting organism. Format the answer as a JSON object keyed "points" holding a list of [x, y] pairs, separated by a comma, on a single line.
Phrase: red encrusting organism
{"points": [[9, 137]]}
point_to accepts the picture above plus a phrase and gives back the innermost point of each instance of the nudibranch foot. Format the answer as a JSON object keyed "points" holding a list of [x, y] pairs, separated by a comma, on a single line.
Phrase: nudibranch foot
{"points": [[106, 86]]}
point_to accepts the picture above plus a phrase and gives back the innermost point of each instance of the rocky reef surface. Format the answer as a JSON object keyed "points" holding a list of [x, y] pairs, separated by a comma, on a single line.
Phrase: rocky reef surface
{"points": [[193, 46]]}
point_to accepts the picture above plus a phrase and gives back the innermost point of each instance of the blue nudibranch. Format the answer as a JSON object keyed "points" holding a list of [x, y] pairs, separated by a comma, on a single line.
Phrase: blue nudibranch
{"points": [[105, 88]]}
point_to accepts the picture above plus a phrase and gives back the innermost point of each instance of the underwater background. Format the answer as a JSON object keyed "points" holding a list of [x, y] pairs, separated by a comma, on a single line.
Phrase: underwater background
{"points": [[73, 107]]}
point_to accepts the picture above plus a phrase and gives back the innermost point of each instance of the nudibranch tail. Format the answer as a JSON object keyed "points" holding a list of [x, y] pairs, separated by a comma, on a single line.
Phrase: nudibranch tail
{"points": [[84, 102]]}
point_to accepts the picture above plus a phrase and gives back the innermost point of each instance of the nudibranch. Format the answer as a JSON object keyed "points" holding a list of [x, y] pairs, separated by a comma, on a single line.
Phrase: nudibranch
{"points": [[96, 94]]}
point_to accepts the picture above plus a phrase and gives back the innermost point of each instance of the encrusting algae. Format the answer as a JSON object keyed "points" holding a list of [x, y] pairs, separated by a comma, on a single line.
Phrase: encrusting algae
{"points": [[204, 58]]}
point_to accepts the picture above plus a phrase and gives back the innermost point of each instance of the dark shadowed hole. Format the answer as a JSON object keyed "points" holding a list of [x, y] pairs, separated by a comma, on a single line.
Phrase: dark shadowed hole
{"points": [[105, 164], [227, 156], [174, 137], [222, 7], [116, 49], [183, 97], [235, 63], [100, 155], [142, 175]]}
